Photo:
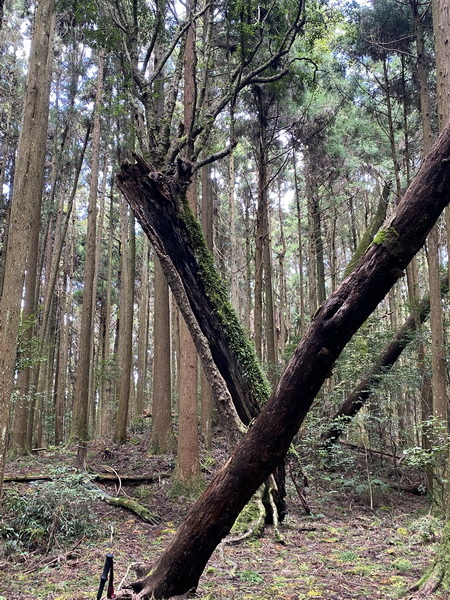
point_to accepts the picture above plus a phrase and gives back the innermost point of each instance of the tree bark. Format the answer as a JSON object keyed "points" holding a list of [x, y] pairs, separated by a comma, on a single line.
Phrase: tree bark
{"points": [[267, 441], [81, 393], [162, 439], [187, 473], [208, 231], [125, 343], [142, 360], [28, 184], [164, 222], [374, 226], [439, 574]]}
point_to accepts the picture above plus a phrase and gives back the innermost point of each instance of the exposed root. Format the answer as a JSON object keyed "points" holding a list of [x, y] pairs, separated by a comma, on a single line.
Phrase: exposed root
{"points": [[273, 488]]}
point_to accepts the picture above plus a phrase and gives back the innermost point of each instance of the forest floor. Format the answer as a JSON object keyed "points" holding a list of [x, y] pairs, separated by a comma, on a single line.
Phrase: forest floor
{"points": [[345, 550]]}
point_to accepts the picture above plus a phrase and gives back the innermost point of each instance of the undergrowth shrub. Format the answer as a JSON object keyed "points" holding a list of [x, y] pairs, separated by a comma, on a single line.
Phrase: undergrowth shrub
{"points": [[49, 514]]}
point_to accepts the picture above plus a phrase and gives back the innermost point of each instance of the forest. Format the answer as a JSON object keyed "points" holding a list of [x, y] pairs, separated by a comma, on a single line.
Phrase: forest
{"points": [[224, 277]]}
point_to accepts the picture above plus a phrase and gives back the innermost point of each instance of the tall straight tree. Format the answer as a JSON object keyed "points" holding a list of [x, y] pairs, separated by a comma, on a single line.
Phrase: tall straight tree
{"points": [[28, 186], [187, 472], [80, 421], [439, 370], [142, 361], [208, 231], [21, 442], [264, 317], [162, 438], [126, 302], [439, 573]]}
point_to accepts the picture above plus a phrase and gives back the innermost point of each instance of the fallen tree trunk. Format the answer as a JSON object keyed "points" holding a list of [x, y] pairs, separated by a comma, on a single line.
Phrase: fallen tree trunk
{"points": [[267, 441], [120, 501], [130, 479], [384, 363], [127, 503]]}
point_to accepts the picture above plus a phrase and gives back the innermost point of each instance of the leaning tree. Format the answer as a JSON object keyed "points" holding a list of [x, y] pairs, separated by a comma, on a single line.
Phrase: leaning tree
{"points": [[238, 46], [158, 199]]}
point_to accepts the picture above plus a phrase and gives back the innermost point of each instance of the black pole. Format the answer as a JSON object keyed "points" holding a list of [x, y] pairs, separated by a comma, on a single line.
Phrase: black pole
{"points": [[104, 576]]}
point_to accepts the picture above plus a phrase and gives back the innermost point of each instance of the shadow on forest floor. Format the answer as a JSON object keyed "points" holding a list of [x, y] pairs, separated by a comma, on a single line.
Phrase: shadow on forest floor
{"points": [[344, 551]]}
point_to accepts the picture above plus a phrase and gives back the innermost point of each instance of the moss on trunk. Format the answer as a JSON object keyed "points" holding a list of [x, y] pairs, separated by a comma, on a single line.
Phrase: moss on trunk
{"points": [[438, 575]]}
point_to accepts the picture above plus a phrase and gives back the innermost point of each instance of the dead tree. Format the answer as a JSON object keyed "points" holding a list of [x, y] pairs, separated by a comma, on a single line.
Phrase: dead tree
{"points": [[268, 438]]}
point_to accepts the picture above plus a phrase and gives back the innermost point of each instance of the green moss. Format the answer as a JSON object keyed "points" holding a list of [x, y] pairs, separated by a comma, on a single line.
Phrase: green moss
{"points": [[247, 517], [403, 565], [217, 294], [438, 575], [385, 236]]}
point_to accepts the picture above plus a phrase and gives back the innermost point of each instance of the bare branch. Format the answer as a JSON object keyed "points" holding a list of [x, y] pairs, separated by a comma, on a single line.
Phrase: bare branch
{"points": [[216, 156]]}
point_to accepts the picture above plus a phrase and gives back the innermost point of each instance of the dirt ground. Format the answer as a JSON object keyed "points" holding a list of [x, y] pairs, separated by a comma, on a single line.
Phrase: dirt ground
{"points": [[345, 550]]}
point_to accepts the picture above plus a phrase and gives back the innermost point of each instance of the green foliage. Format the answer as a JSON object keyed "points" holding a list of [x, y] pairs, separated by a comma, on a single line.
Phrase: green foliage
{"points": [[426, 530], [29, 347], [382, 29], [438, 445], [138, 425], [368, 486], [403, 565], [251, 576], [48, 515]]}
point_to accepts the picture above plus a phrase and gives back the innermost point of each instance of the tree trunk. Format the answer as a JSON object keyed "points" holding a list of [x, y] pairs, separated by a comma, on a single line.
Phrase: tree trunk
{"points": [[81, 393], [162, 430], [61, 365], [262, 221], [374, 226], [316, 259], [302, 311], [208, 231], [163, 438], [28, 184], [168, 216], [125, 349], [441, 27], [187, 473], [142, 361], [439, 574], [268, 439], [107, 389], [438, 371]]}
